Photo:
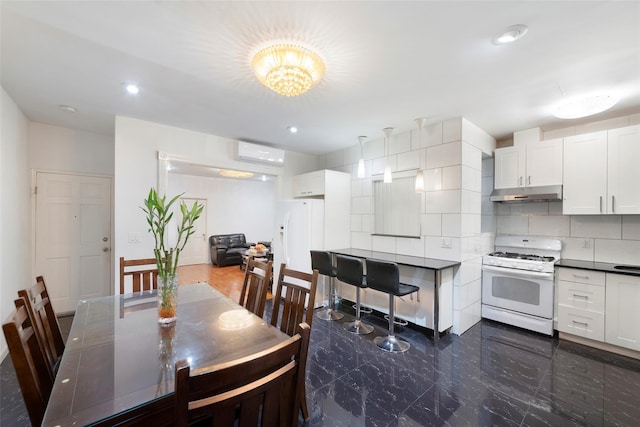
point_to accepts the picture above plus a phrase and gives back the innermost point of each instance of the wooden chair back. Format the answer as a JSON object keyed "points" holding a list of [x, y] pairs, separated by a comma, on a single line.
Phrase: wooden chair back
{"points": [[45, 322], [262, 389], [255, 286], [29, 361], [294, 290], [143, 273]]}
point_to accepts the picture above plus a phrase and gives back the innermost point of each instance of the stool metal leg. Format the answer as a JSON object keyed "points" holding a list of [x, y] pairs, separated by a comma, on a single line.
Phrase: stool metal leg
{"points": [[329, 313], [390, 342], [357, 326]]}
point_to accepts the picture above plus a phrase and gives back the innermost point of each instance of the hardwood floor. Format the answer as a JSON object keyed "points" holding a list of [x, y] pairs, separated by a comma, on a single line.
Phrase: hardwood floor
{"points": [[227, 280]]}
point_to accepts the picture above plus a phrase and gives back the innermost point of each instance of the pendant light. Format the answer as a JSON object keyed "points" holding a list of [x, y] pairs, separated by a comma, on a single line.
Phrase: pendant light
{"points": [[387, 168], [361, 161], [420, 173]]}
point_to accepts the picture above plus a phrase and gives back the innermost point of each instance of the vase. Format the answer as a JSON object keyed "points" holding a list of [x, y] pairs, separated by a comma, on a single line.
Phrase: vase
{"points": [[167, 299]]}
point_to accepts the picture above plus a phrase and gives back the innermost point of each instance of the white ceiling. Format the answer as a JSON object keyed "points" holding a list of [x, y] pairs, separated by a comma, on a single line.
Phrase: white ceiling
{"points": [[388, 63]]}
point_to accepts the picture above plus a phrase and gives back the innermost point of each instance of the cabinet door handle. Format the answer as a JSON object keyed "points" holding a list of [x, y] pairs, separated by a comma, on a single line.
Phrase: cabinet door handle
{"points": [[580, 323], [577, 276], [613, 203], [580, 296], [529, 180], [600, 204], [520, 181]]}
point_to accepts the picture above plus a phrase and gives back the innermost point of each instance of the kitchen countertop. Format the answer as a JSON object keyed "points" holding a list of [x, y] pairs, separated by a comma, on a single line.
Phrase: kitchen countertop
{"points": [[413, 261], [597, 266]]}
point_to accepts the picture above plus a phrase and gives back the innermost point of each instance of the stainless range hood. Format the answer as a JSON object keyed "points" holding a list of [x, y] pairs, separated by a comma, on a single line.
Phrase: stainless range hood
{"points": [[552, 193]]}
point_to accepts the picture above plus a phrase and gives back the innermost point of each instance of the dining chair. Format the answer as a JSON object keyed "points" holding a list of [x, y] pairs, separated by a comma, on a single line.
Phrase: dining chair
{"points": [[45, 322], [29, 361], [294, 290], [261, 389], [255, 286], [143, 273]]}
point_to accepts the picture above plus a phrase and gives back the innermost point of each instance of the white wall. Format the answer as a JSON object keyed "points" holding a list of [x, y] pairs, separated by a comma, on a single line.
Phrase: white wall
{"points": [[58, 149], [137, 144], [233, 206], [15, 208], [602, 238]]}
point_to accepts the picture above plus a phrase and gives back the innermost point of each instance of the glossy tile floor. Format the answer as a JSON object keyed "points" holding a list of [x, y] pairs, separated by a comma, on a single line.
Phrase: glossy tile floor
{"points": [[492, 375]]}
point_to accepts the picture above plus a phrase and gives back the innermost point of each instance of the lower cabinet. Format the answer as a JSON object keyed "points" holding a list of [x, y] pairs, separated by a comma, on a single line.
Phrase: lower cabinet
{"points": [[622, 318], [581, 303], [600, 306]]}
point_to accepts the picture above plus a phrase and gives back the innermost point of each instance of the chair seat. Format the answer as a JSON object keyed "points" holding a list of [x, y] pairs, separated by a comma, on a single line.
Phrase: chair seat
{"points": [[404, 289]]}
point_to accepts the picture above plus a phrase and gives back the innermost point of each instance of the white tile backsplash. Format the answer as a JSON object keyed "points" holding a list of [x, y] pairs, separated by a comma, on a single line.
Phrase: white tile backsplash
{"points": [[452, 177], [409, 160], [412, 247], [356, 222], [618, 251], [596, 226], [631, 227], [452, 225], [549, 225], [431, 224], [443, 201], [513, 225]]}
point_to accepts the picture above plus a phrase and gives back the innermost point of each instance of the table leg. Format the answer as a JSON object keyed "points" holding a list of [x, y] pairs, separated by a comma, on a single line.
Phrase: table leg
{"points": [[436, 307]]}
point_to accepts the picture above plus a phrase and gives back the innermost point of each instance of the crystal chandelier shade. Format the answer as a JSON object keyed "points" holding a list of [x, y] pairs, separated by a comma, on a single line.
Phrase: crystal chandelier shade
{"points": [[288, 69]]}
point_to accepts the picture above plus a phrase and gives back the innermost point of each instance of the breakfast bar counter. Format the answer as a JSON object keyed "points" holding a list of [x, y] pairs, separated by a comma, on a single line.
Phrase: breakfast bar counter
{"points": [[433, 306]]}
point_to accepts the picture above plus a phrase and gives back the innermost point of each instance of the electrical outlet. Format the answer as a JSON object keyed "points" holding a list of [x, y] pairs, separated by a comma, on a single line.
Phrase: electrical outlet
{"points": [[446, 243], [586, 243], [134, 237]]}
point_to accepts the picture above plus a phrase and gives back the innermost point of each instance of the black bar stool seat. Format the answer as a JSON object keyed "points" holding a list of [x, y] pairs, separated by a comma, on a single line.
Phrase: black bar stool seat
{"points": [[384, 276], [351, 271], [321, 261]]}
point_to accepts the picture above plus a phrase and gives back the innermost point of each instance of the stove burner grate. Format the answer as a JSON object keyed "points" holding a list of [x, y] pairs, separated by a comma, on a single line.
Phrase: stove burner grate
{"points": [[515, 255]]}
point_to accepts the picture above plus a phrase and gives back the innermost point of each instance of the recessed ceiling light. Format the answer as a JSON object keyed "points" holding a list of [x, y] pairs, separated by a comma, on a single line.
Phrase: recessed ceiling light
{"points": [[584, 106], [132, 88], [511, 34], [67, 108], [292, 129]]}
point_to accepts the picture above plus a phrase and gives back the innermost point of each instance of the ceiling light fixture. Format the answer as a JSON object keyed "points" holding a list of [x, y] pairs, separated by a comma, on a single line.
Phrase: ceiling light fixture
{"points": [[132, 88], [67, 108], [511, 34], [387, 167], [584, 106], [288, 69], [229, 173], [292, 129], [361, 171]]}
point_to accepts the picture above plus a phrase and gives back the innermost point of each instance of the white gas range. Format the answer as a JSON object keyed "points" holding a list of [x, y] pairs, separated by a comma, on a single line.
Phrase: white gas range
{"points": [[518, 282]]}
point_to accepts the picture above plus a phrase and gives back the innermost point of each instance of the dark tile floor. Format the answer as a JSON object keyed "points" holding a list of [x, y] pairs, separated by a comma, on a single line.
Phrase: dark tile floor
{"points": [[491, 375]]}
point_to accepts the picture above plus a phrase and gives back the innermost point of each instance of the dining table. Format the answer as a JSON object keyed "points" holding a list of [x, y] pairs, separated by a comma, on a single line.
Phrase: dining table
{"points": [[118, 364]]}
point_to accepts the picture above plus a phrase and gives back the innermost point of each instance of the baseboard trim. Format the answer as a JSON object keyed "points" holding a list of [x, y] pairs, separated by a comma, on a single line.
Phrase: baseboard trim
{"points": [[600, 345]]}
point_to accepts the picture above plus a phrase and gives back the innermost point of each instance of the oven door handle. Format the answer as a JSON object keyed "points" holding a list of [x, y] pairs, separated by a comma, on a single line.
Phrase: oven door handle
{"points": [[518, 273]]}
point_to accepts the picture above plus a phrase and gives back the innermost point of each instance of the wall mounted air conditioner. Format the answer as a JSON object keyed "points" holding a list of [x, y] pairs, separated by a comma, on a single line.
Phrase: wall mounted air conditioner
{"points": [[260, 154]]}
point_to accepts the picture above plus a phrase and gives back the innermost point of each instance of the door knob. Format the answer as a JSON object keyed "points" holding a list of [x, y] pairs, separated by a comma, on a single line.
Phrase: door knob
{"points": [[105, 249]]}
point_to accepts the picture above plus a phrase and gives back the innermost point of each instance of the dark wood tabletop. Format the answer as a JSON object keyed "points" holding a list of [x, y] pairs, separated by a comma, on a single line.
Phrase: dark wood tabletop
{"points": [[119, 362]]}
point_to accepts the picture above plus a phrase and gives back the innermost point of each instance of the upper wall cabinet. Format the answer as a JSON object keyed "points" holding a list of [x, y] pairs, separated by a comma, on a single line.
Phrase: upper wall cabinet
{"points": [[316, 184], [601, 172], [529, 165]]}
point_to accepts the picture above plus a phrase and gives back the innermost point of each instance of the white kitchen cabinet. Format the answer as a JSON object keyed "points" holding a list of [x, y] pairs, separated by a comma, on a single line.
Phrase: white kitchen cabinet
{"points": [[622, 318], [581, 303], [623, 172], [321, 183], [601, 172], [529, 165]]}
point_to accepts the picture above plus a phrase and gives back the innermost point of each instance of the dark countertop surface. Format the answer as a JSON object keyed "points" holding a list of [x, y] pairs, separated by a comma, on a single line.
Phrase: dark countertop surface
{"points": [[598, 266], [430, 263]]}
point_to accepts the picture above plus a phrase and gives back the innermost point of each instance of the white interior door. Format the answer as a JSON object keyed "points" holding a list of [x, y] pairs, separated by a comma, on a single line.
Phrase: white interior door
{"points": [[197, 249], [73, 243]]}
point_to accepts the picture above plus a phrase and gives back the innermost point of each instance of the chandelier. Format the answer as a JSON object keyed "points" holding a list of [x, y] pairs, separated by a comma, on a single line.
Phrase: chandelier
{"points": [[288, 69]]}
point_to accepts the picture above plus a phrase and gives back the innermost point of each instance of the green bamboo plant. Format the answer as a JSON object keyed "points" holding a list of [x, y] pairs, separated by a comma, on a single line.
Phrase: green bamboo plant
{"points": [[159, 215]]}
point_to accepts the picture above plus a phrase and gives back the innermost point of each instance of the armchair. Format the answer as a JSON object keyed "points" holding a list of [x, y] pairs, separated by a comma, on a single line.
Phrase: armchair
{"points": [[227, 249]]}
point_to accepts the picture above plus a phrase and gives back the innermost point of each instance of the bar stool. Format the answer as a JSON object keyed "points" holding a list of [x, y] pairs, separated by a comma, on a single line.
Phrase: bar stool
{"points": [[351, 271], [384, 276], [321, 261]]}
